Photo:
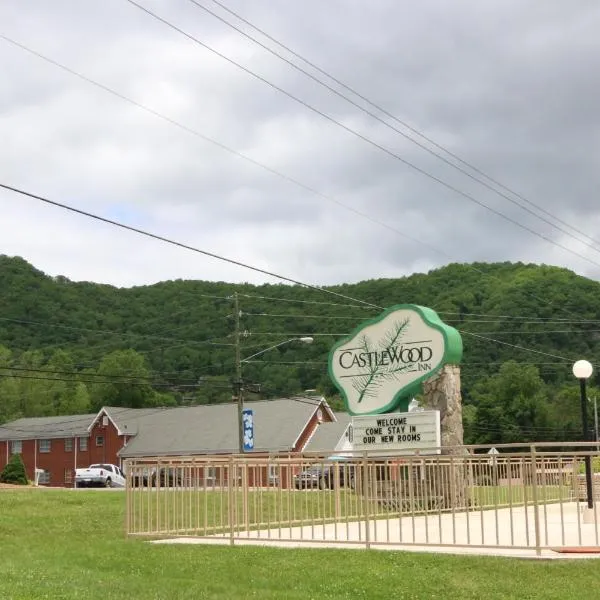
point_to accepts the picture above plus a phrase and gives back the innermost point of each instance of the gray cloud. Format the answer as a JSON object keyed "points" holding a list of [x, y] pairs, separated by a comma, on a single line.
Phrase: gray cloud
{"points": [[507, 85]]}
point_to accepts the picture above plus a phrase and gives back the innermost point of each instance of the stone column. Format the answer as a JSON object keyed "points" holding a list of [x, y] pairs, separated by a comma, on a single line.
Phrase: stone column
{"points": [[450, 477], [442, 392]]}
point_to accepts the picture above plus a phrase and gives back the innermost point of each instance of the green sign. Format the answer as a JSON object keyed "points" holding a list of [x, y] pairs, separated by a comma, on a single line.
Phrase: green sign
{"points": [[384, 362]]}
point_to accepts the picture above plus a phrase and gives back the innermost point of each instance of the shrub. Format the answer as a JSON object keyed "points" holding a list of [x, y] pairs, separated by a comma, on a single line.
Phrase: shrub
{"points": [[595, 465], [14, 471]]}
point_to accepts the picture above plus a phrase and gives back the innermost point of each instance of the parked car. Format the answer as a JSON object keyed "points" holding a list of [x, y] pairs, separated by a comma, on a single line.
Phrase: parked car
{"points": [[100, 475], [323, 476], [167, 477], [143, 477]]}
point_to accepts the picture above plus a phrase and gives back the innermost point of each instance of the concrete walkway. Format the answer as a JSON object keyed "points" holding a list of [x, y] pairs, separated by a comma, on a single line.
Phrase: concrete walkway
{"points": [[505, 532]]}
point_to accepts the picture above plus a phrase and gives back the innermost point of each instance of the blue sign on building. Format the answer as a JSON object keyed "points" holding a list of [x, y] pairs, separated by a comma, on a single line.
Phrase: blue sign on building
{"points": [[248, 421]]}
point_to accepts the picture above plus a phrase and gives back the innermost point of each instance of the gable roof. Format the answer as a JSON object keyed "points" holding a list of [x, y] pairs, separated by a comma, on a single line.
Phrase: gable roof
{"points": [[214, 428], [46, 427], [328, 435], [125, 419]]}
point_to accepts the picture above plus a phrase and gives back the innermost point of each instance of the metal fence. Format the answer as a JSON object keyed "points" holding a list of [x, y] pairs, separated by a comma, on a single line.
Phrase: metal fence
{"points": [[523, 497]]}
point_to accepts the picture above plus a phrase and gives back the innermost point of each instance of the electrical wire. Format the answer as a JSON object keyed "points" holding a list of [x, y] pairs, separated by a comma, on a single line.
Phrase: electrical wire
{"points": [[298, 301], [516, 346], [172, 242], [117, 377], [301, 316], [364, 215], [402, 133], [362, 137], [530, 332], [389, 114], [101, 331]]}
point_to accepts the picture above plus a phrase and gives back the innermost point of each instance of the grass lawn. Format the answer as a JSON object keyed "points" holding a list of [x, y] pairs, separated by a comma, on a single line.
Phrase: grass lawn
{"points": [[70, 544], [200, 512]]}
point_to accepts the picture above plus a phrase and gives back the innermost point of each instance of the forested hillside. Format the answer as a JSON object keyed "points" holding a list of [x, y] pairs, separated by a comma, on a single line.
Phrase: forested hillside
{"points": [[70, 347]]}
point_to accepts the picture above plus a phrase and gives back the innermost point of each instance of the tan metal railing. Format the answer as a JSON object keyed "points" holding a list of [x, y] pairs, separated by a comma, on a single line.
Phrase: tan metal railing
{"points": [[523, 497]]}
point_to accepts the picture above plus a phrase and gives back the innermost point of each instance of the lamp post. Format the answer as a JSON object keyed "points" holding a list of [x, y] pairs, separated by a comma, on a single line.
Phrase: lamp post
{"points": [[583, 370], [239, 386]]}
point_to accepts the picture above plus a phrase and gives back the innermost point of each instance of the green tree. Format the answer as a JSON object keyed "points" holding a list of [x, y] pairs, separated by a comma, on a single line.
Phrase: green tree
{"points": [[14, 471], [9, 393], [124, 381], [565, 410], [512, 406]]}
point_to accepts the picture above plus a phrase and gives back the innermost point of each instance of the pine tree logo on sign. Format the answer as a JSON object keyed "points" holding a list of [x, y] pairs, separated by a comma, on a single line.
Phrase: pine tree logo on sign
{"points": [[384, 362]]}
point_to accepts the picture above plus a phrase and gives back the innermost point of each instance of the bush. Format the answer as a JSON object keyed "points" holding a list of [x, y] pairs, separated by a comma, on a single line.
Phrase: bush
{"points": [[14, 471], [595, 465]]}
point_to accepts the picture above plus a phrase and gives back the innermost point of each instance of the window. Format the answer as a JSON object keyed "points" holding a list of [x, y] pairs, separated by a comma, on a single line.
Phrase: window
{"points": [[68, 475], [68, 445], [273, 475], [16, 447], [99, 440], [83, 443], [44, 477], [44, 446], [211, 474]]}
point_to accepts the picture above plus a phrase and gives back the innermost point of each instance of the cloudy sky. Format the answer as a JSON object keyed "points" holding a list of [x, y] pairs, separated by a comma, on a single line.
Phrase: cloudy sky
{"points": [[510, 86]]}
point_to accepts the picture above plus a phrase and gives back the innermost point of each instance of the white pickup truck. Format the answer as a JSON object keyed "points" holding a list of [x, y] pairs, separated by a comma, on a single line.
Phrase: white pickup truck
{"points": [[100, 475]]}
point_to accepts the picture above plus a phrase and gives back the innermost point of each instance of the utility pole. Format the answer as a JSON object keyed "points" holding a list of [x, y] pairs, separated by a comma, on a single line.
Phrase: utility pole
{"points": [[238, 384]]}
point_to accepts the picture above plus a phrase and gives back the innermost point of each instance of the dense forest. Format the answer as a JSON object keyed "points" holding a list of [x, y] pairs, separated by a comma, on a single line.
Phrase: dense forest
{"points": [[71, 347]]}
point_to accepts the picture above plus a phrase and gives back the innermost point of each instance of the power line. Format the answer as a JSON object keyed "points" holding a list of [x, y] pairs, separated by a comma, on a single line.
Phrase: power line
{"points": [[298, 316], [516, 317], [402, 133], [83, 418], [515, 346], [99, 331], [283, 176], [87, 381], [298, 301], [306, 334], [396, 119], [530, 332], [540, 321], [360, 136], [119, 378], [172, 242]]}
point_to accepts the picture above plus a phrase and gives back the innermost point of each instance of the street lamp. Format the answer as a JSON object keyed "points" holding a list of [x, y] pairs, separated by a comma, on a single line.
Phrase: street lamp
{"points": [[240, 386], [583, 370], [304, 340]]}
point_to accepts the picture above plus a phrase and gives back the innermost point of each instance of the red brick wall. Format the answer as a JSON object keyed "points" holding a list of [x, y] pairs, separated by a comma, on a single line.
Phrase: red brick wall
{"points": [[310, 428], [57, 461], [107, 453], [61, 463]]}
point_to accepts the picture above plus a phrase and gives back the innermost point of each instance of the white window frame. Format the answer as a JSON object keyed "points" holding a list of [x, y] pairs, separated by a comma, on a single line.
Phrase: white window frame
{"points": [[83, 444], [69, 441], [44, 477], [16, 447], [44, 446], [99, 437]]}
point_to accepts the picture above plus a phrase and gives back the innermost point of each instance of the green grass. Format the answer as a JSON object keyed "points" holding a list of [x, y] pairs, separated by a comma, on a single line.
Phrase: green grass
{"points": [[200, 512], [517, 495], [70, 544]]}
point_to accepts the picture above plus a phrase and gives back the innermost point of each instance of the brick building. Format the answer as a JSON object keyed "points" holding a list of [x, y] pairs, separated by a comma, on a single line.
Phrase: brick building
{"points": [[59, 445]]}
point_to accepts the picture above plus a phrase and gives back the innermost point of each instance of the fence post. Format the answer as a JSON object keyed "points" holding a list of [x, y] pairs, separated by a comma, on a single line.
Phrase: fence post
{"points": [[128, 497], [366, 511], [536, 511], [230, 500]]}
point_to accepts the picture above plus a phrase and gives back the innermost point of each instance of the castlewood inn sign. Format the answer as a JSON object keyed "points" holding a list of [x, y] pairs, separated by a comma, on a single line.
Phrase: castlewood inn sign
{"points": [[383, 363]]}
